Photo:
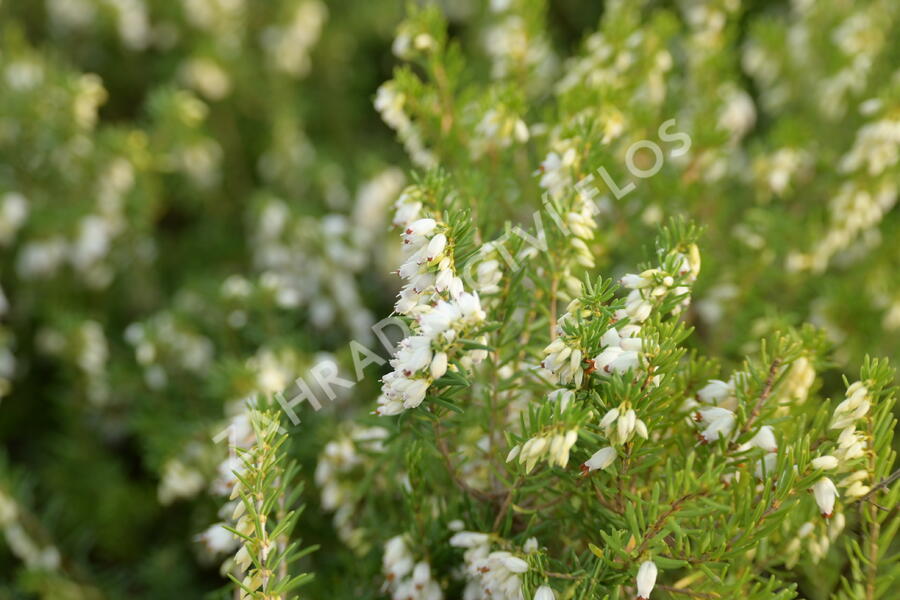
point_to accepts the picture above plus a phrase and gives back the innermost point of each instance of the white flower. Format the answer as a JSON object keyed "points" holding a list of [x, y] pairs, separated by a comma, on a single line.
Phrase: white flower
{"points": [[825, 493], [853, 408], [416, 232], [421, 574], [397, 561], [564, 361], [560, 447], [826, 463], [439, 365], [720, 423], [646, 579], [217, 539], [544, 592], [765, 439], [857, 489], [600, 460], [716, 391], [407, 580], [179, 481], [621, 352], [469, 539], [13, 213]]}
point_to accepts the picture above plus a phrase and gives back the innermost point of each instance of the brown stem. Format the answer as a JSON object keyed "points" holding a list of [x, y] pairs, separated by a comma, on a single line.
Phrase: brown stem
{"points": [[505, 507], [661, 520], [881, 484], [763, 396]]}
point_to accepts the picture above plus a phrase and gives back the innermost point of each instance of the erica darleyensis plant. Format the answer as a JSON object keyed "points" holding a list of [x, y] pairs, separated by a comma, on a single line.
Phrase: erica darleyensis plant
{"points": [[557, 428]]}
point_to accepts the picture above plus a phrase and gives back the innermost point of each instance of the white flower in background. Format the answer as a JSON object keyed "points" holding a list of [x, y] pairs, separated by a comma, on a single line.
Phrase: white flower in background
{"points": [[778, 170], [23, 75], [13, 214], [498, 128], [20, 542], [487, 274], [288, 46], [337, 464], [207, 77], [372, 200], [71, 14], [556, 172], [765, 466], [218, 540], [491, 575], [514, 50], [389, 102], [133, 23], [90, 95], [825, 494], [407, 43], [41, 259], [817, 544], [405, 578], [646, 579], [179, 481], [563, 397], [92, 242], [877, 148], [855, 210], [738, 114]]}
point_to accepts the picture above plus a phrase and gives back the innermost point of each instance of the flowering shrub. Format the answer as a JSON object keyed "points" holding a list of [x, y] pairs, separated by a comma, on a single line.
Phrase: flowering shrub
{"points": [[569, 305]]}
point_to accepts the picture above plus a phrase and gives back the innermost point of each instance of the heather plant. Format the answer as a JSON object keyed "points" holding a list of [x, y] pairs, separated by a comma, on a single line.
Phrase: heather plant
{"points": [[516, 299]]}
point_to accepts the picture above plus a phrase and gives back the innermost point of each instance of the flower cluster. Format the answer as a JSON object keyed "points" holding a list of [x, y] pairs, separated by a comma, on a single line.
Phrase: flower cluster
{"points": [[852, 445], [423, 358], [494, 575], [443, 313], [390, 103], [340, 458], [620, 350], [407, 579], [555, 447], [652, 287], [498, 128]]}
